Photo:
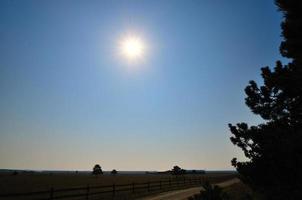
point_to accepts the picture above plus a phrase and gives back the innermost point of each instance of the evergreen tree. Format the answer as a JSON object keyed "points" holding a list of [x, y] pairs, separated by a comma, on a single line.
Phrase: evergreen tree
{"points": [[274, 148]]}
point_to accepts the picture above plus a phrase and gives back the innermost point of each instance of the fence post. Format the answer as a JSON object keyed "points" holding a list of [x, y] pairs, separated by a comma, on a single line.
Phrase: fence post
{"points": [[184, 180], [113, 189], [169, 182], [148, 186], [160, 185], [51, 193], [133, 187], [200, 180], [87, 192]]}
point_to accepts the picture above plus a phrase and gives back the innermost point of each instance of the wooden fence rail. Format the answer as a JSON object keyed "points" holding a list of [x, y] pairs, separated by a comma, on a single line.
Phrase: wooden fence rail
{"points": [[105, 191]]}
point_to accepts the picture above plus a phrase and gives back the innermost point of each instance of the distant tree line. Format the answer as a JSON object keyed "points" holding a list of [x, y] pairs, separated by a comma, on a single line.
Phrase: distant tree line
{"points": [[176, 170], [97, 170]]}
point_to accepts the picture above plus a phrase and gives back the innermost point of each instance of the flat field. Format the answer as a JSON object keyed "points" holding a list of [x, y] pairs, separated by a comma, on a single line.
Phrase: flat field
{"points": [[37, 181]]}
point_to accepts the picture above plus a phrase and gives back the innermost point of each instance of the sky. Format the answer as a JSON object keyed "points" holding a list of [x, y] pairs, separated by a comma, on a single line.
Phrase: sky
{"points": [[69, 100]]}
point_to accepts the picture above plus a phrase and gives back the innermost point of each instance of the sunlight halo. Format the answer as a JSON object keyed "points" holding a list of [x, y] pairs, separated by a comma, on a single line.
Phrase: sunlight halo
{"points": [[132, 48]]}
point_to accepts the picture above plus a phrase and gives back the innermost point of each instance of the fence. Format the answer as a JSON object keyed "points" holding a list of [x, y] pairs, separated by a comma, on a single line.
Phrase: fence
{"points": [[114, 191]]}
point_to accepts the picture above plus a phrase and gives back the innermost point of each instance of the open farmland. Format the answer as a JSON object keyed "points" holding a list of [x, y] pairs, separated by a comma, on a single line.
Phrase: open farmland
{"points": [[33, 182]]}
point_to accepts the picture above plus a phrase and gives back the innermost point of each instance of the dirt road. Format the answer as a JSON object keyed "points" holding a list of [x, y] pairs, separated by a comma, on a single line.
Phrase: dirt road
{"points": [[186, 193]]}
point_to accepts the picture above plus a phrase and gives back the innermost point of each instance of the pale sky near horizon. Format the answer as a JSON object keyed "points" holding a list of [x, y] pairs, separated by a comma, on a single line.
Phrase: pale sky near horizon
{"points": [[69, 100]]}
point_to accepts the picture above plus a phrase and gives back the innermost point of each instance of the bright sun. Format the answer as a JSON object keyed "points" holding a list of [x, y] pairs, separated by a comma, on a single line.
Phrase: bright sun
{"points": [[132, 48]]}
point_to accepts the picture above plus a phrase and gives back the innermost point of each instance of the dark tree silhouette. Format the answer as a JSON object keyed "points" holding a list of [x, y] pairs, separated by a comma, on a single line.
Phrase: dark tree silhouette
{"points": [[177, 170], [274, 148], [114, 172], [15, 173], [97, 170]]}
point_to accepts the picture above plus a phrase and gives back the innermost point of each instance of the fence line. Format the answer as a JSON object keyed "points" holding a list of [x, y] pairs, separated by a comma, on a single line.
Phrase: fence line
{"points": [[112, 190]]}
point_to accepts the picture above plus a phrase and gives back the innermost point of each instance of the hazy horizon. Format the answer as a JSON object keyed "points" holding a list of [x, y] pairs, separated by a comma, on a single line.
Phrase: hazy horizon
{"points": [[109, 170], [70, 100]]}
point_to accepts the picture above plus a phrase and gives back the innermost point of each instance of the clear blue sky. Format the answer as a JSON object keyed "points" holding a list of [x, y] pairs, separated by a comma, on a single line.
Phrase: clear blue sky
{"points": [[69, 101]]}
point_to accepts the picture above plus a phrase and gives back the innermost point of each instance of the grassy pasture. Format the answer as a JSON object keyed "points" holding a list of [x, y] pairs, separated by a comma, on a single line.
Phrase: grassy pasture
{"points": [[31, 182], [239, 191]]}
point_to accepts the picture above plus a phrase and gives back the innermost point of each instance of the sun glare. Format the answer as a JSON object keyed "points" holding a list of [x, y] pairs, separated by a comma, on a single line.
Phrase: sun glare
{"points": [[132, 48]]}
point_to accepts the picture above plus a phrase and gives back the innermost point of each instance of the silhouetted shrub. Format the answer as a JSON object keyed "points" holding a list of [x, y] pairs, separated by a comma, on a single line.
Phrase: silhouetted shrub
{"points": [[210, 193], [113, 172], [15, 173]]}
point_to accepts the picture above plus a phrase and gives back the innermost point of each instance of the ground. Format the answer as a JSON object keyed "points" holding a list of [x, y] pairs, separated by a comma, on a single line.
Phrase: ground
{"points": [[30, 182], [186, 193]]}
